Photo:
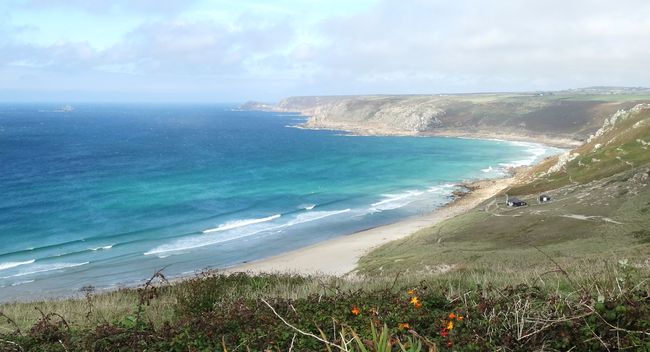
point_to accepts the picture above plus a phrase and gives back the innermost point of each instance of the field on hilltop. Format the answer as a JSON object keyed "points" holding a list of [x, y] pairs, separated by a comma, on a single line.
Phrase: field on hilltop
{"points": [[561, 117]]}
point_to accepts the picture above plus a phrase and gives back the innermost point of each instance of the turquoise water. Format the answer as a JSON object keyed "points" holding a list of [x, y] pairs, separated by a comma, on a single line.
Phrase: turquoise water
{"points": [[107, 194]]}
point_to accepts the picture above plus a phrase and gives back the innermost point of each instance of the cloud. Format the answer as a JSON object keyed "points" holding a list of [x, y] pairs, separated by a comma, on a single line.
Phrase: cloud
{"points": [[173, 47], [413, 46], [172, 59], [495, 44], [111, 6]]}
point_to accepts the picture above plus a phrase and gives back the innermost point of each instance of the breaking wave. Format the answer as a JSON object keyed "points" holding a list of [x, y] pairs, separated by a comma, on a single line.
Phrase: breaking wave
{"points": [[241, 223], [237, 232], [9, 265], [41, 268]]}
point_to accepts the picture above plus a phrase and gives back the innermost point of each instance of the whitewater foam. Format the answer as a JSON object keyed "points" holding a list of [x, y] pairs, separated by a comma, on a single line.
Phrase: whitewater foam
{"points": [[18, 283], [312, 216], [241, 223], [395, 201], [9, 265], [41, 268], [250, 230], [103, 248], [534, 150], [444, 188]]}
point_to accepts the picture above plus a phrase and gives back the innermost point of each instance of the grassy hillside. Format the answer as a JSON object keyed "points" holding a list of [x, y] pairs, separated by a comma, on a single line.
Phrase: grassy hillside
{"points": [[571, 114], [583, 226], [621, 144], [532, 310], [600, 210], [571, 274]]}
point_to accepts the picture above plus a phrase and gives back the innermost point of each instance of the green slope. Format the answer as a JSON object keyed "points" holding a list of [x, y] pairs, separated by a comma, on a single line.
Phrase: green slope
{"points": [[600, 210]]}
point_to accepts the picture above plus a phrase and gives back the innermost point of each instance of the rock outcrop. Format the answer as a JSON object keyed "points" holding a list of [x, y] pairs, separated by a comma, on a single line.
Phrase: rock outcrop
{"points": [[565, 118]]}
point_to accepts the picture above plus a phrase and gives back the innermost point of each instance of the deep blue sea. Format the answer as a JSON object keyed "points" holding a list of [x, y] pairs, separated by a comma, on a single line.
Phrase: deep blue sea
{"points": [[105, 195]]}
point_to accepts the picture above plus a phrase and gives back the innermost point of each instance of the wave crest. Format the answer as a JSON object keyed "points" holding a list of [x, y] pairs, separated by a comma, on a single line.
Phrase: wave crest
{"points": [[9, 265], [241, 223]]}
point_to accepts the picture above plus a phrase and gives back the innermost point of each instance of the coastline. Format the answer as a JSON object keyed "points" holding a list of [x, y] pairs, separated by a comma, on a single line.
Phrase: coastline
{"points": [[339, 256], [551, 141]]}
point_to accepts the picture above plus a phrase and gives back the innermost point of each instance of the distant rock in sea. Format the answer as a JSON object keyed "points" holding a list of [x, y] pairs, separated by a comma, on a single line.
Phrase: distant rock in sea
{"points": [[65, 108]]}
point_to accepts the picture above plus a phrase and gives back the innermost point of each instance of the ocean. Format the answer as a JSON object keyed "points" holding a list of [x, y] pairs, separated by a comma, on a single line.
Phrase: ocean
{"points": [[105, 195]]}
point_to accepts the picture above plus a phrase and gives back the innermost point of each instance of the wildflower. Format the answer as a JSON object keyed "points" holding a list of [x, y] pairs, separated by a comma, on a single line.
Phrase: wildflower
{"points": [[415, 301], [355, 310], [452, 315], [402, 326], [459, 318], [450, 343], [450, 325], [411, 292], [444, 333]]}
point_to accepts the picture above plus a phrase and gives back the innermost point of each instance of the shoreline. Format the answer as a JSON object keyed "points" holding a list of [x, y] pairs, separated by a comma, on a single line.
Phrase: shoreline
{"points": [[550, 141], [339, 256]]}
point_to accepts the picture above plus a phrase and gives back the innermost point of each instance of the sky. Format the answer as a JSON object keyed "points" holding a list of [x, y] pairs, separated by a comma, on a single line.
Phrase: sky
{"points": [[239, 50]]}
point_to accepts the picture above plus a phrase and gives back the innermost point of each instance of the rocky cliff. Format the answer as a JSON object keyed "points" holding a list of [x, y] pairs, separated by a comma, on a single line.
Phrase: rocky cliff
{"points": [[565, 118]]}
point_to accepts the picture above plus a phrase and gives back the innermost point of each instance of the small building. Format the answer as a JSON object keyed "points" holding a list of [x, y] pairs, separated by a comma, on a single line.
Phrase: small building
{"points": [[543, 198], [515, 202]]}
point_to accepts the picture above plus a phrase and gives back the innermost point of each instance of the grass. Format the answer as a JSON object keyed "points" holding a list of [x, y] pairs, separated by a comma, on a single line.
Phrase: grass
{"points": [[620, 149], [582, 222], [512, 310], [566, 115], [569, 274]]}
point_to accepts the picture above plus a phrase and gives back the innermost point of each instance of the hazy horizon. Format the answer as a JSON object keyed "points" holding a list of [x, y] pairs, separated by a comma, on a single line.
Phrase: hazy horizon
{"points": [[223, 52]]}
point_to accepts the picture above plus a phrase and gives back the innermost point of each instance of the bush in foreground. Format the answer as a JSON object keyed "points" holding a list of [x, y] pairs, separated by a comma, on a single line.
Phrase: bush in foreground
{"points": [[217, 312]]}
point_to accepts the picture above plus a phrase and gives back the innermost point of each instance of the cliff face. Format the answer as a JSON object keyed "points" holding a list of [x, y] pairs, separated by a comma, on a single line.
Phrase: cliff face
{"points": [[621, 144], [568, 116]]}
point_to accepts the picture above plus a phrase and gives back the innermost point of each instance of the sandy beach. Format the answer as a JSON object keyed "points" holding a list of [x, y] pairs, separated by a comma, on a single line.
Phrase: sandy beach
{"points": [[339, 256]]}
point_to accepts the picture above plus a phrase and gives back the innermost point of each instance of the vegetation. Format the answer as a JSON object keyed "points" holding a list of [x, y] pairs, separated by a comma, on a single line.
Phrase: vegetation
{"points": [[583, 225], [217, 312], [570, 274], [619, 146], [564, 115]]}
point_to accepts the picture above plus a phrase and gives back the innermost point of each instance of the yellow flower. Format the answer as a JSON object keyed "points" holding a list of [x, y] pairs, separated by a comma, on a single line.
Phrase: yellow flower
{"points": [[415, 301], [450, 325], [411, 292]]}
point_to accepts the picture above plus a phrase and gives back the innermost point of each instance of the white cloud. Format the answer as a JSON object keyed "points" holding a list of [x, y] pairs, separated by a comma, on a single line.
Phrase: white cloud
{"points": [[493, 44], [414, 46], [112, 6]]}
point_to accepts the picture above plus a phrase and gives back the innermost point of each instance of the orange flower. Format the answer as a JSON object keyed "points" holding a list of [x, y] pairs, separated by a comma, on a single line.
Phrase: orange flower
{"points": [[459, 318], [355, 310], [418, 305], [411, 292], [403, 326], [452, 316]]}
